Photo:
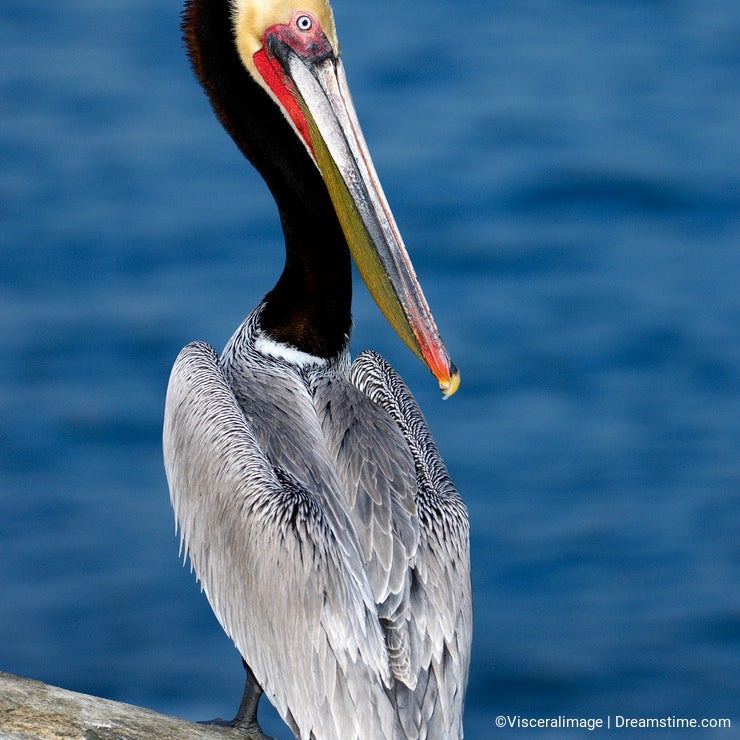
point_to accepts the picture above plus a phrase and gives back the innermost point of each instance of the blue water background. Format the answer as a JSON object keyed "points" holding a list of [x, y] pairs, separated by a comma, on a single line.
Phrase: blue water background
{"points": [[566, 178]]}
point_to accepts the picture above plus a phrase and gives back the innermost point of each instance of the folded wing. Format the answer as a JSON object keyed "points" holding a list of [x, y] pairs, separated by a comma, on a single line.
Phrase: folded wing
{"points": [[299, 610]]}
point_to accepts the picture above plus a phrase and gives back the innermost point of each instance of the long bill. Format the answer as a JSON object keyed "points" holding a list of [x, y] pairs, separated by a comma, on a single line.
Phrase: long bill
{"points": [[333, 135]]}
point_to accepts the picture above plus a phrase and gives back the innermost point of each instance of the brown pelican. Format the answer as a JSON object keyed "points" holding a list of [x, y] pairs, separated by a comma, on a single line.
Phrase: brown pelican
{"points": [[309, 495]]}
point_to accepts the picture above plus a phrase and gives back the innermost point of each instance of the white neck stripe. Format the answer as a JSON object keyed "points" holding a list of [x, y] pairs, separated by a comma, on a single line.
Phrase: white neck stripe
{"points": [[271, 348]]}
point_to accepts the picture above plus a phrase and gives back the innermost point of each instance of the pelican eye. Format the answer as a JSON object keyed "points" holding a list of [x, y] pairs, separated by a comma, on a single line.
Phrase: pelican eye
{"points": [[303, 22]]}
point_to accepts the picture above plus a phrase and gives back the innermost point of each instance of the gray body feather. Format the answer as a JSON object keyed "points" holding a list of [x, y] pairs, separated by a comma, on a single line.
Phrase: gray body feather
{"points": [[327, 535]]}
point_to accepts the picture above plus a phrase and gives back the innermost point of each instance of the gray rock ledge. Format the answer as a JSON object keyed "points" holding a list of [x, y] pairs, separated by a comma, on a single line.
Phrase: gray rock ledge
{"points": [[32, 709]]}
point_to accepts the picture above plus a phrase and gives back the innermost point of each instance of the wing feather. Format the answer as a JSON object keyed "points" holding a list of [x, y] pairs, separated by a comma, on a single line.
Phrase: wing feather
{"points": [[439, 603], [270, 564], [376, 471]]}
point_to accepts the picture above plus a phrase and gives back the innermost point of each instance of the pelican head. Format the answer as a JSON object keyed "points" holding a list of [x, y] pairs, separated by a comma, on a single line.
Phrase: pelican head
{"points": [[290, 49]]}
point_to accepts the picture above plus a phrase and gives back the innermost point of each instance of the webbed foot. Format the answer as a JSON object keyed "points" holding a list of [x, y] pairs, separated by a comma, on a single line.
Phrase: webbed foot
{"points": [[246, 716]]}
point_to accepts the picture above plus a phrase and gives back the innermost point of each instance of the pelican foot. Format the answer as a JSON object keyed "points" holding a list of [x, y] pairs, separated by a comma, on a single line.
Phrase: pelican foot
{"points": [[246, 717], [250, 730]]}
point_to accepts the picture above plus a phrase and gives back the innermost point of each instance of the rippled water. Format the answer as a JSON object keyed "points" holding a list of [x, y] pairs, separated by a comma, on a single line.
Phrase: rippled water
{"points": [[565, 174]]}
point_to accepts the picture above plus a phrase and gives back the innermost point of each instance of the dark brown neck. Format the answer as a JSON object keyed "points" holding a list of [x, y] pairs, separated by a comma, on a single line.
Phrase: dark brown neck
{"points": [[309, 308]]}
